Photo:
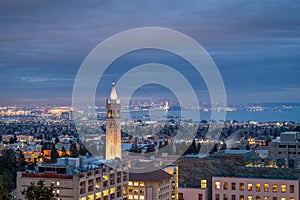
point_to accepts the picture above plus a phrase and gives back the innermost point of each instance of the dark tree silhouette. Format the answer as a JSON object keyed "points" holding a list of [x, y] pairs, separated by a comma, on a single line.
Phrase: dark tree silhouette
{"points": [[74, 151], [39, 191]]}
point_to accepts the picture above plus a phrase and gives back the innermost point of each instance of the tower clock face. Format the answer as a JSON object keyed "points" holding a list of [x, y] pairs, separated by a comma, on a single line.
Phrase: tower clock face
{"points": [[118, 101]]}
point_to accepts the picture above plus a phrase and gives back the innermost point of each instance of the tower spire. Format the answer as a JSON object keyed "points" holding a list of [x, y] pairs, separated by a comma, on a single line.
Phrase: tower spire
{"points": [[113, 93]]}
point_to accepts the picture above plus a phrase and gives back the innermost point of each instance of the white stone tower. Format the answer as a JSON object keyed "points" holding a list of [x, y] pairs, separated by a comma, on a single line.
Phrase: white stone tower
{"points": [[113, 126]]}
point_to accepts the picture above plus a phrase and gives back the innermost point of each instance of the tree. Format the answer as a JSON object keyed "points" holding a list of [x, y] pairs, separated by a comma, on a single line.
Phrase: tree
{"points": [[74, 151], [39, 191], [5, 190], [54, 154], [82, 150], [192, 148], [150, 148]]}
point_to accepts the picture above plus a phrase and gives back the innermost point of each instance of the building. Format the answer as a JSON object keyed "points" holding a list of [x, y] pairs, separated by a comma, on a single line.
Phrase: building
{"points": [[243, 157], [113, 126], [194, 193], [285, 150], [80, 178], [173, 170], [233, 188], [147, 182]]}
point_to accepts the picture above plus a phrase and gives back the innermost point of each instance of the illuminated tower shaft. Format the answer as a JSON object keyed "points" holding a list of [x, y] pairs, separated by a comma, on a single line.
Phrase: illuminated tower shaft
{"points": [[113, 126]]}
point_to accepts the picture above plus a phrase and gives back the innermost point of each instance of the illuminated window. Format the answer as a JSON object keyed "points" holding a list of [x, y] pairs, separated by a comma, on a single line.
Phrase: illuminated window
{"points": [[292, 198], [225, 186], [141, 183], [242, 186], [98, 195], [233, 197], [130, 183], [217, 185], [98, 185], [203, 184], [82, 198], [266, 198], [136, 183], [283, 198], [233, 186], [292, 188], [250, 197], [217, 196], [105, 177], [257, 187], [283, 188], [249, 186], [266, 187], [275, 188], [112, 190], [242, 197], [105, 192], [91, 197], [57, 183], [130, 196], [274, 198], [57, 191], [257, 197]]}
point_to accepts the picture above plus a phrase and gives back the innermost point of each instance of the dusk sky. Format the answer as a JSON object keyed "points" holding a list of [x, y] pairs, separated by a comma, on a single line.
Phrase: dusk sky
{"points": [[255, 44]]}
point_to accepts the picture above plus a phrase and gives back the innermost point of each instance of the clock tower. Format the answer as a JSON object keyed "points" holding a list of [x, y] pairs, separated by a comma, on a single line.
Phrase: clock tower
{"points": [[113, 126]]}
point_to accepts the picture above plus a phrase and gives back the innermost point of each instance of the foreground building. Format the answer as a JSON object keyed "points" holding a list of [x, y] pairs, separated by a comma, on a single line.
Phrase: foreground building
{"points": [[194, 193], [148, 182], [75, 178], [233, 188]]}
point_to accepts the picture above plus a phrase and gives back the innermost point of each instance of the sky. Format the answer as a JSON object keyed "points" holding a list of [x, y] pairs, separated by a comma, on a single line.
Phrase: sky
{"points": [[255, 44]]}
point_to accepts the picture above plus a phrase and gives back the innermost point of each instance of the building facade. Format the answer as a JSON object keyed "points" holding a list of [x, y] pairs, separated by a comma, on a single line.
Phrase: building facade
{"points": [[285, 150], [152, 185], [113, 126], [233, 188], [74, 180]]}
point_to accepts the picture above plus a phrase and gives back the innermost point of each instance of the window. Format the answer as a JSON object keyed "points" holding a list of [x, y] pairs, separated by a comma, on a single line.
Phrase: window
{"points": [[242, 186], [283, 198], [266, 187], [225, 197], [203, 184], [130, 183], [275, 188], [57, 183], [257, 187], [242, 197], [257, 197], [217, 185], [292, 198], [225, 186], [233, 185], [249, 186], [217, 196], [233, 197], [250, 197], [180, 195], [200, 197], [266, 198], [274, 198], [292, 188], [283, 188]]}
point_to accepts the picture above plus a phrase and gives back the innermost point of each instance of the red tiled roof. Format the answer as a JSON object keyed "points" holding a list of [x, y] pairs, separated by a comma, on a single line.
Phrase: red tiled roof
{"points": [[48, 175]]}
